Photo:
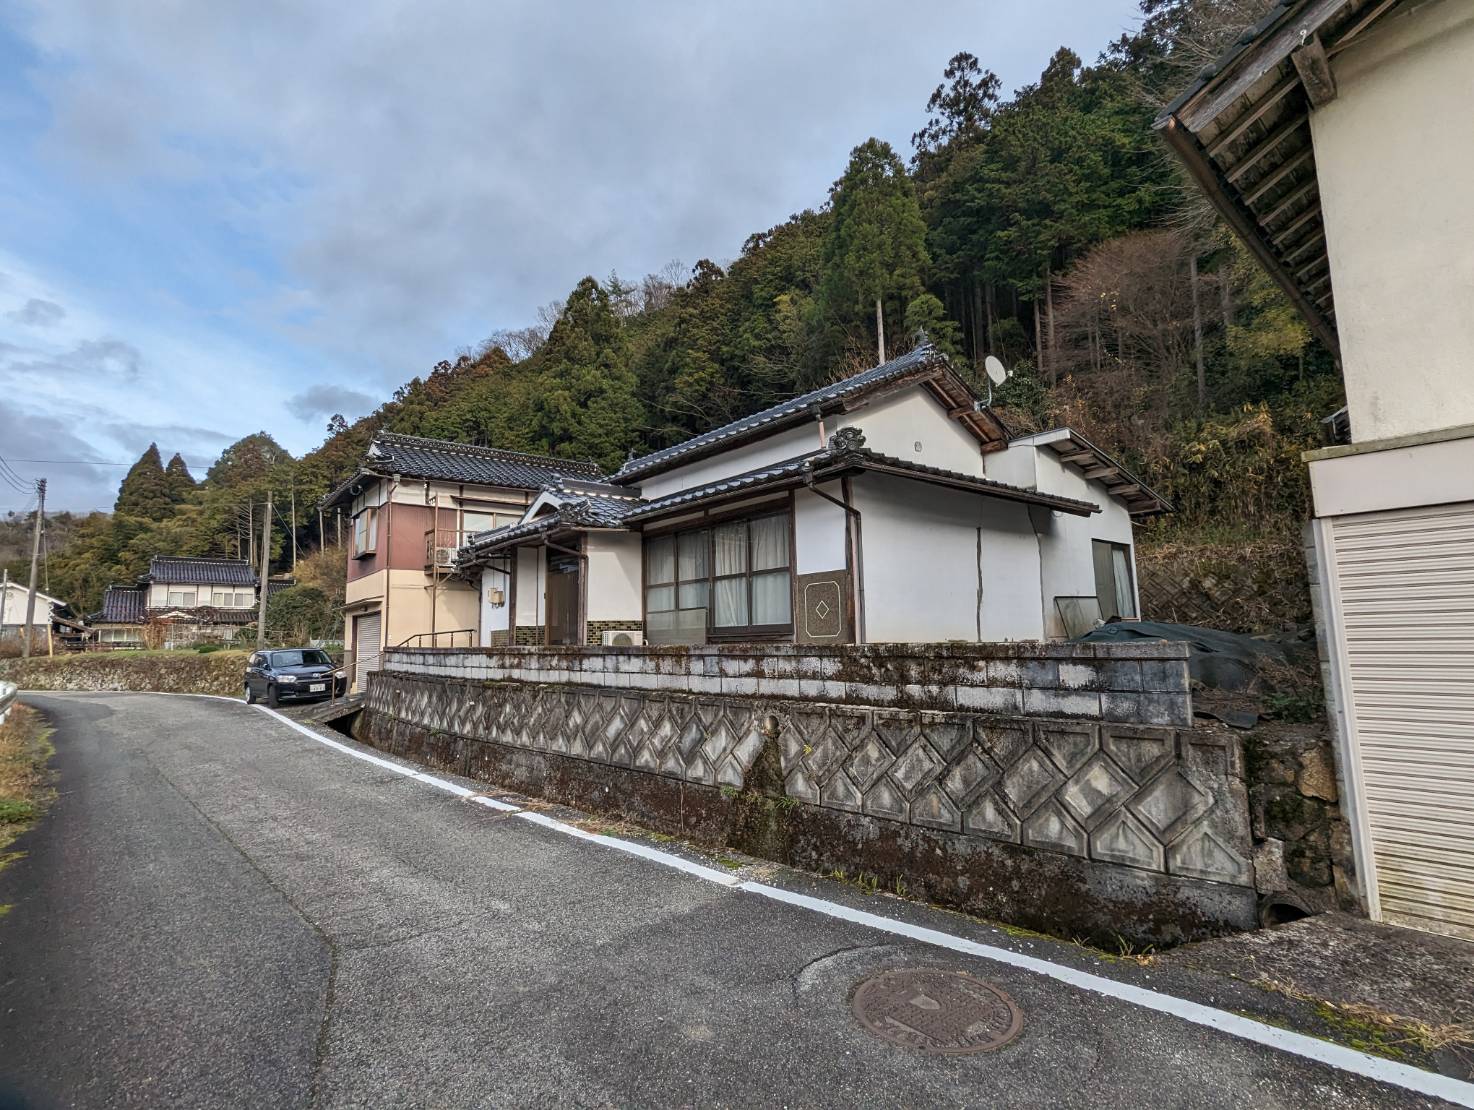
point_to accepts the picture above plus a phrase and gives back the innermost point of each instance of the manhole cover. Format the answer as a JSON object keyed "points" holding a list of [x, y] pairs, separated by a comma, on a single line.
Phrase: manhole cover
{"points": [[946, 1013]]}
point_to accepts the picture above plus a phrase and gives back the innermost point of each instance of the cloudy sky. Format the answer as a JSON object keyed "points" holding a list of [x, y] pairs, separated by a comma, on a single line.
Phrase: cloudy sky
{"points": [[250, 214]]}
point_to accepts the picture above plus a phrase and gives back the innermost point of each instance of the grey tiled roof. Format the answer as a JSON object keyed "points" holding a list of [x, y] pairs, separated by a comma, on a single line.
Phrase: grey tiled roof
{"points": [[583, 511], [201, 572], [919, 359], [441, 460], [120, 605], [829, 462]]}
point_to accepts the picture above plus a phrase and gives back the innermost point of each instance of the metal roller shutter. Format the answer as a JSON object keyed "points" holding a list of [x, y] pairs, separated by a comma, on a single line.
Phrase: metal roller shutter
{"points": [[1405, 581], [366, 639]]}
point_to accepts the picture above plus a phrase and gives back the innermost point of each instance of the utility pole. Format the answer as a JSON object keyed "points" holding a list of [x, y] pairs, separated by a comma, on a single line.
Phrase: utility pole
{"points": [[4, 597], [35, 559], [294, 526], [1192, 271], [251, 532], [322, 540], [265, 573], [879, 331]]}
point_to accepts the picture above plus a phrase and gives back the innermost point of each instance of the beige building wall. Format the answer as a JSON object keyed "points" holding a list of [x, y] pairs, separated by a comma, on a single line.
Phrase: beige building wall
{"points": [[1395, 160]]}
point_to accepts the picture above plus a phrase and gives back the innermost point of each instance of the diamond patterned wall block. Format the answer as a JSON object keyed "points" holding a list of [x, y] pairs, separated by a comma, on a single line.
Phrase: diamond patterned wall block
{"points": [[824, 754], [971, 771], [1200, 854], [947, 737], [1169, 803], [895, 729], [840, 793], [672, 763], [751, 741], [662, 734], [867, 762], [719, 741], [988, 816], [1141, 753], [1095, 789], [1121, 838], [1003, 743], [790, 749], [1027, 782], [916, 768], [884, 800], [729, 773], [1051, 827], [692, 736], [848, 727], [1068, 747], [935, 810], [799, 785]]}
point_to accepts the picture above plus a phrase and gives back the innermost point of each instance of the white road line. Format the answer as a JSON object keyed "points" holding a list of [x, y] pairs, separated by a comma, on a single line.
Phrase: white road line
{"points": [[655, 855], [1296, 1044]]}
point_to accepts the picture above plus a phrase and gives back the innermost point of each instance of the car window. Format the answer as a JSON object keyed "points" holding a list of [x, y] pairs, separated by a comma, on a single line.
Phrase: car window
{"points": [[309, 656], [255, 660]]}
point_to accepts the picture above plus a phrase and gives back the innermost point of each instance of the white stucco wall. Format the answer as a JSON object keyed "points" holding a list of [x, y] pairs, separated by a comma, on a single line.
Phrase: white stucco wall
{"points": [[615, 570], [924, 561], [1066, 562], [892, 425], [1396, 171], [895, 425], [14, 608], [530, 585], [819, 534], [493, 618]]}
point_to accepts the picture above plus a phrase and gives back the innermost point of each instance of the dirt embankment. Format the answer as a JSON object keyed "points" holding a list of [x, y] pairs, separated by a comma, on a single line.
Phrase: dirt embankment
{"points": [[25, 787], [173, 672]]}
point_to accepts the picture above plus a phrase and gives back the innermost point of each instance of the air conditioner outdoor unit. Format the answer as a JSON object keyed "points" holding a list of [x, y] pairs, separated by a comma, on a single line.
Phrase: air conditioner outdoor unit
{"points": [[623, 637], [445, 556]]}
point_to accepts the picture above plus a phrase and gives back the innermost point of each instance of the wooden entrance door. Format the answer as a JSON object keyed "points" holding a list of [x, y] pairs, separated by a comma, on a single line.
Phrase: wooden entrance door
{"points": [[564, 592]]}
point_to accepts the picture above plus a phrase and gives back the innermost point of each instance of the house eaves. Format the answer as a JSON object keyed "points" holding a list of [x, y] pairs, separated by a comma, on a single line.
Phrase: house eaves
{"points": [[1242, 130]]}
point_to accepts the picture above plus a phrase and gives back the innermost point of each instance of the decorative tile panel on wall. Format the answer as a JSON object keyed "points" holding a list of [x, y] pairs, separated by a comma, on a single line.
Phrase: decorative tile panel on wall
{"points": [[1159, 799]]}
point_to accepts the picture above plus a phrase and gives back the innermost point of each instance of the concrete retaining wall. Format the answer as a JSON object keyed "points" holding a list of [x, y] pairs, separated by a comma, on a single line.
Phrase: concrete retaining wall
{"points": [[1145, 683]]}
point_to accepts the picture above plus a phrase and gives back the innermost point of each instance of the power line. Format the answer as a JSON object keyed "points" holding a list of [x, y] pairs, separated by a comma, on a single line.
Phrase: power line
{"points": [[96, 462]]}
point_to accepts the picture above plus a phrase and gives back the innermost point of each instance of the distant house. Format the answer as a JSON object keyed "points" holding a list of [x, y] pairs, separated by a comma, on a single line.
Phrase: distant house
{"points": [[50, 617], [1328, 138], [413, 502], [195, 599], [892, 506], [119, 623]]}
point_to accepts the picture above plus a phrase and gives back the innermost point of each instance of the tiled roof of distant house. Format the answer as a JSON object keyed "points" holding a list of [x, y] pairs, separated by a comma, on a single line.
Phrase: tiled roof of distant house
{"points": [[200, 572], [120, 605], [440, 460], [923, 361]]}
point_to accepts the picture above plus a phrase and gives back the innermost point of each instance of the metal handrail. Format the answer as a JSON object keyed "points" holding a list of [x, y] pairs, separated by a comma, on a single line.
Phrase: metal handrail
{"points": [[470, 633]]}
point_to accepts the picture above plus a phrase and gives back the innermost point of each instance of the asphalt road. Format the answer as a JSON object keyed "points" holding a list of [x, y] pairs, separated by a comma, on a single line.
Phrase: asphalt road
{"points": [[220, 912]]}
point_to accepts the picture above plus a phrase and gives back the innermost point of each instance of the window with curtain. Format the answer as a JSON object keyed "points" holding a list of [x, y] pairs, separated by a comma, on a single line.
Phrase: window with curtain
{"points": [[1113, 586], [730, 580], [181, 597]]}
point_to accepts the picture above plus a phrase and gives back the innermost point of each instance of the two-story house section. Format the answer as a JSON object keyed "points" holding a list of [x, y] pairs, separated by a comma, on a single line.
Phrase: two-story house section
{"points": [[412, 503], [199, 599]]}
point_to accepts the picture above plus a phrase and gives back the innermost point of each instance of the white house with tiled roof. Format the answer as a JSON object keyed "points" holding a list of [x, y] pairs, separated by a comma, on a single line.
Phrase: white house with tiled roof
{"points": [[891, 506], [412, 503]]}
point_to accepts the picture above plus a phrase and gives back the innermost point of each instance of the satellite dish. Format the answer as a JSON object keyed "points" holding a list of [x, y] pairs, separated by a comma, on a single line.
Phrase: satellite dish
{"points": [[993, 367]]}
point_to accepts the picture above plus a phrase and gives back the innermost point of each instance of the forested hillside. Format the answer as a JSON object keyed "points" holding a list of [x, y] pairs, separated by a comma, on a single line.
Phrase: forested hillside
{"points": [[1049, 227]]}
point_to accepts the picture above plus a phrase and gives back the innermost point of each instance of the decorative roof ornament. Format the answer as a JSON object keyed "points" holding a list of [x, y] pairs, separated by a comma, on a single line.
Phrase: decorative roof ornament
{"points": [[846, 439]]}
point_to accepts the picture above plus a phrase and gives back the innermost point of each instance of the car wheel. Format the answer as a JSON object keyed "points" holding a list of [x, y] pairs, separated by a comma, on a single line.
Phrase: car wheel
{"points": [[271, 698], [250, 695]]}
